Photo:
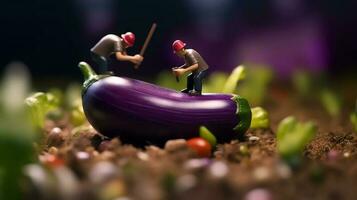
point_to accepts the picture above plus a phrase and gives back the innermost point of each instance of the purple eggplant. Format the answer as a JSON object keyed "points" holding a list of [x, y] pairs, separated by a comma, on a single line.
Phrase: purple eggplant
{"points": [[143, 113]]}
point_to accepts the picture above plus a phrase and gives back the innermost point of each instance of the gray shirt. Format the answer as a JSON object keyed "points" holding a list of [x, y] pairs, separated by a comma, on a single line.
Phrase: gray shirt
{"points": [[193, 57], [108, 44]]}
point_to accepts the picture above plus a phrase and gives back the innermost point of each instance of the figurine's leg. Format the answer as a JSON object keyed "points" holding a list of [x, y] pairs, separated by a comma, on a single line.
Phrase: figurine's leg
{"points": [[198, 81], [101, 62], [189, 83]]}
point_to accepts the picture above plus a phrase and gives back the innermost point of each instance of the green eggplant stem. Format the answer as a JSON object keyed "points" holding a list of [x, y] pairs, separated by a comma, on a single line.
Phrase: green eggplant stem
{"points": [[87, 71], [89, 75]]}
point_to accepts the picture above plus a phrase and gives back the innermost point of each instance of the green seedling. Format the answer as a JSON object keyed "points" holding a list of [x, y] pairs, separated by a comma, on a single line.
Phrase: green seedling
{"points": [[260, 118], [73, 102], [292, 137], [166, 79], [215, 82], [16, 133], [255, 85], [353, 118], [39, 105], [302, 82], [208, 135], [237, 74], [331, 102]]}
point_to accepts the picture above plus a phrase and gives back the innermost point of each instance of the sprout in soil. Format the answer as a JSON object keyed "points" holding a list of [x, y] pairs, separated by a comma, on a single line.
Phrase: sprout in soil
{"points": [[292, 137], [260, 118], [16, 133], [255, 85], [208, 135], [331, 102], [303, 83], [39, 105]]}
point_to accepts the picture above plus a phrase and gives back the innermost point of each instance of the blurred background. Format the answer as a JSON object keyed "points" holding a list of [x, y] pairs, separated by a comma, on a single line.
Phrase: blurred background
{"points": [[51, 37]]}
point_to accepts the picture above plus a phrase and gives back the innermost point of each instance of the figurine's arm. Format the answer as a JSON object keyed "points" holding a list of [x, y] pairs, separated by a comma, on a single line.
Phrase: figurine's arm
{"points": [[180, 71], [123, 57], [192, 67], [182, 66]]}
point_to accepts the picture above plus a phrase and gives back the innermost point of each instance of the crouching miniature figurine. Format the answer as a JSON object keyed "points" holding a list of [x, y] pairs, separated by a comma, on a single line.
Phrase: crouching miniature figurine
{"points": [[113, 44], [193, 63]]}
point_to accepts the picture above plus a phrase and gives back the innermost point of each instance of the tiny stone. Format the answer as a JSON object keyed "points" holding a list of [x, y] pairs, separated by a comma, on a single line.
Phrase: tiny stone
{"points": [[196, 163], [261, 173], [283, 170], [106, 155], [103, 171], [186, 182], [218, 169], [104, 145], [82, 155], [174, 145], [143, 156], [258, 194], [55, 137], [243, 149], [333, 155], [253, 138], [53, 150], [346, 154]]}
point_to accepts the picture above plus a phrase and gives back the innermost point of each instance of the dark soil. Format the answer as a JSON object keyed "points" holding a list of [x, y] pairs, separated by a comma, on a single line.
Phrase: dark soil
{"points": [[93, 167]]}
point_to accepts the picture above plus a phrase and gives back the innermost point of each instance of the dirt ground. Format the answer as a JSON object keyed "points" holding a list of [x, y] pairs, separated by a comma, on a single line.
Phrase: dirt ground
{"points": [[87, 166]]}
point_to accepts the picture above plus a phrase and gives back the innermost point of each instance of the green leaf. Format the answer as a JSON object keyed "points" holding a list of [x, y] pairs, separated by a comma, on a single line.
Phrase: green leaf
{"points": [[39, 104], [208, 136], [285, 126], [331, 102], [231, 84], [293, 136], [302, 82], [260, 118]]}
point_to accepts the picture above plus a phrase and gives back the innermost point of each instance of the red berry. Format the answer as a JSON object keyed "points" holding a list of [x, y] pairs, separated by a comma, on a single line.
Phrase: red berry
{"points": [[200, 146]]}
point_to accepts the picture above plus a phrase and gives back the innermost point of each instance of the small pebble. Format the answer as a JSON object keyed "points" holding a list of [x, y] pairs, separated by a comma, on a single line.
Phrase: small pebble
{"points": [[186, 182], [283, 170], [82, 155], [103, 171], [143, 156], [258, 194], [218, 169], [104, 145], [53, 150], [261, 173], [333, 155], [346, 154], [196, 163], [243, 149], [254, 138], [175, 145], [55, 137]]}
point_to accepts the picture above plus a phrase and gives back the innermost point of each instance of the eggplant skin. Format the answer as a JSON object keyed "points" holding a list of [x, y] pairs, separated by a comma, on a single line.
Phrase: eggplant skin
{"points": [[143, 113]]}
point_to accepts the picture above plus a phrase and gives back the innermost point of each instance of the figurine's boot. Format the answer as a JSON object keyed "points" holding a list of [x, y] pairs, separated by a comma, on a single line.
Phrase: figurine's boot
{"points": [[195, 93], [185, 90]]}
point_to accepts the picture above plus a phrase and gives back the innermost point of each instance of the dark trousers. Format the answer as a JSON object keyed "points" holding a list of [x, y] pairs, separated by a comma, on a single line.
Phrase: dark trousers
{"points": [[194, 81], [101, 62]]}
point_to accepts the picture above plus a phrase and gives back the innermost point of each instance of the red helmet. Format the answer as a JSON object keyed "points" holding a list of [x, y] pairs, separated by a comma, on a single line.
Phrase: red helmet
{"points": [[178, 45], [129, 38]]}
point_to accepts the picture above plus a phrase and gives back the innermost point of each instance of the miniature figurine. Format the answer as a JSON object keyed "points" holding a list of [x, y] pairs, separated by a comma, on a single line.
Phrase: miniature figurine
{"points": [[110, 44], [193, 63]]}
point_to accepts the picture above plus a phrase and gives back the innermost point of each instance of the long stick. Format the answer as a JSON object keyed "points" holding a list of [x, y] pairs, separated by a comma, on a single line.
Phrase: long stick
{"points": [[146, 43]]}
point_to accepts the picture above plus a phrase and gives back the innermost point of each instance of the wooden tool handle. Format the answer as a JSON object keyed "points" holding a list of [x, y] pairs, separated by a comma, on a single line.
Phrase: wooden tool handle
{"points": [[146, 43]]}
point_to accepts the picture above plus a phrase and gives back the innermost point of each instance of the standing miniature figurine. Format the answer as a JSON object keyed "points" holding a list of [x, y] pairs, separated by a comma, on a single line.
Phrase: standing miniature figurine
{"points": [[193, 63], [113, 44]]}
